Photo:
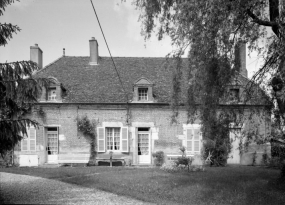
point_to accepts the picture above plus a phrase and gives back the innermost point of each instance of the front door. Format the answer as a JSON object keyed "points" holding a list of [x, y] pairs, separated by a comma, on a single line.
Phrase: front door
{"points": [[52, 145], [143, 148]]}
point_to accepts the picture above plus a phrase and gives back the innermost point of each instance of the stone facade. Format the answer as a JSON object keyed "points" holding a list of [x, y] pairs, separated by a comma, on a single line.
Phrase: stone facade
{"points": [[73, 147]]}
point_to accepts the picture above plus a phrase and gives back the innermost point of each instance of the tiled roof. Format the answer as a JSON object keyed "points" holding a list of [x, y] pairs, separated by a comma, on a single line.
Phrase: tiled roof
{"points": [[100, 83], [86, 83]]}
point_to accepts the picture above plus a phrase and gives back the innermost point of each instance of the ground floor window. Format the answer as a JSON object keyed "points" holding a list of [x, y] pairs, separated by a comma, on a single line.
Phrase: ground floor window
{"points": [[113, 138], [193, 139]]}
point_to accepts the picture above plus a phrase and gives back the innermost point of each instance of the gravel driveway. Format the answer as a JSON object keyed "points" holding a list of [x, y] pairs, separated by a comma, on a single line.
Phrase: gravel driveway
{"points": [[23, 189]]}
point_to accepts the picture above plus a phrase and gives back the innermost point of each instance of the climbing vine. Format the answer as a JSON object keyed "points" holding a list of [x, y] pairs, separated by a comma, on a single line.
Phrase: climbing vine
{"points": [[88, 129]]}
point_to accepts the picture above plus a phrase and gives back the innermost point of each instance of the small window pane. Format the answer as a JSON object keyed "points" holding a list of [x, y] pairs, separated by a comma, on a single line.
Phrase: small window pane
{"points": [[142, 93]]}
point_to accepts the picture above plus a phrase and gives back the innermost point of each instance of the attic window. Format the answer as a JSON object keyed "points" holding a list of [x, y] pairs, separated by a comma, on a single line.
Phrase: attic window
{"points": [[142, 94], [51, 94], [143, 91], [234, 94]]}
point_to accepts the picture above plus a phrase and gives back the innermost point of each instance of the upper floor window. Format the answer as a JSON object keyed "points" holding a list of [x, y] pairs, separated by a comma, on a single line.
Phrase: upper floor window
{"points": [[51, 94], [142, 93], [234, 94], [54, 92]]}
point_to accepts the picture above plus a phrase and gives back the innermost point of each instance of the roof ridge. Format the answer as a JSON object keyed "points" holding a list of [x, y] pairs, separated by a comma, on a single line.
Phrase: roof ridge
{"points": [[49, 64]]}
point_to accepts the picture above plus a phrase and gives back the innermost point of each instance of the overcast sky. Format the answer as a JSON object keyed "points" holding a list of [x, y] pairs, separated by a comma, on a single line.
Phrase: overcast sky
{"points": [[70, 24]]}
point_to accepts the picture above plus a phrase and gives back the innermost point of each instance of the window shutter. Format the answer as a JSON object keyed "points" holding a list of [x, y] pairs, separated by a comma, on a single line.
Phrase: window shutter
{"points": [[32, 138], [189, 140], [101, 139], [196, 140], [125, 140], [24, 143]]}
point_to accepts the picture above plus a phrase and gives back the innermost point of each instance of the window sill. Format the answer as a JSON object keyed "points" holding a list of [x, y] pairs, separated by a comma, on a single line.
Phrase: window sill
{"points": [[145, 101]]}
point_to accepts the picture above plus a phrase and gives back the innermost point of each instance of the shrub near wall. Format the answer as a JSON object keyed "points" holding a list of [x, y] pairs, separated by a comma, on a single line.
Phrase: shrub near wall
{"points": [[158, 158]]}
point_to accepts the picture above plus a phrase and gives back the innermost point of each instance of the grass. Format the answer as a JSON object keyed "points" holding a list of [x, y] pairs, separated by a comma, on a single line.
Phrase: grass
{"points": [[217, 185]]}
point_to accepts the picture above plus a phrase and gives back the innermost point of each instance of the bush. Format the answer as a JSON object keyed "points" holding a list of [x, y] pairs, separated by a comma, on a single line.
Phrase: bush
{"points": [[158, 158], [265, 158], [171, 167]]}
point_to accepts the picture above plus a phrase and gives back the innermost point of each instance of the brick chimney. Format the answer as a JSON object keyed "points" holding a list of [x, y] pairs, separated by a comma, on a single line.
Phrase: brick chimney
{"points": [[36, 55], [94, 54], [240, 53]]}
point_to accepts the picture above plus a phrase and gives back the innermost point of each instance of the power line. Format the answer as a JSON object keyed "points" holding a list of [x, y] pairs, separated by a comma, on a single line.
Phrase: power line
{"points": [[110, 52]]}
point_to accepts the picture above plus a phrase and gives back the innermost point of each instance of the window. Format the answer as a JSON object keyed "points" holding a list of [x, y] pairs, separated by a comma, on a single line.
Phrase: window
{"points": [[142, 94], [113, 138], [193, 140], [28, 142], [234, 94], [143, 91], [51, 94]]}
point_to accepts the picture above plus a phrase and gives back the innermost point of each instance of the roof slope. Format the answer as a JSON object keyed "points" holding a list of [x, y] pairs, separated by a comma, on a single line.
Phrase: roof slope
{"points": [[86, 83], [100, 83]]}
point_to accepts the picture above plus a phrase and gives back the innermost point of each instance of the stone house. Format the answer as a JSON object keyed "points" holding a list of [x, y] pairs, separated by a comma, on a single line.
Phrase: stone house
{"points": [[133, 122]]}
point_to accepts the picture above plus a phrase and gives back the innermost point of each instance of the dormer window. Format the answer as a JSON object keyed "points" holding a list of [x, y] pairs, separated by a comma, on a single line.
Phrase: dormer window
{"points": [[143, 91], [142, 94], [51, 94], [234, 94]]}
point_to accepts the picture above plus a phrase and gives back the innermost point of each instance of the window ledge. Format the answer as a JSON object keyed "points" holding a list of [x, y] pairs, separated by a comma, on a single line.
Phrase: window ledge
{"points": [[134, 101]]}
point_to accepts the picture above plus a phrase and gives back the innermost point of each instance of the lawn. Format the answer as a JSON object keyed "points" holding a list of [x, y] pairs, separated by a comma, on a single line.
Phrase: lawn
{"points": [[216, 185]]}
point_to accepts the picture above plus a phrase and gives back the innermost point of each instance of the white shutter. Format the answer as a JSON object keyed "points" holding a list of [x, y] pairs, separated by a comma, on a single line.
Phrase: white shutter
{"points": [[189, 140], [196, 140], [32, 138], [24, 143], [101, 139], [125, 140]]}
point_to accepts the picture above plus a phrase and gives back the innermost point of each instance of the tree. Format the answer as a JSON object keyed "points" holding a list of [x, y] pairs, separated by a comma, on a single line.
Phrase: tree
{"points": [[212, 30], [18, 91]]}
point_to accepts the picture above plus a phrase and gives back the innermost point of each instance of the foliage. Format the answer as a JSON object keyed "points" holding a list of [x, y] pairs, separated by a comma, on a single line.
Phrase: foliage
{"points": [[88, 129], [170, 166], [265, 158], [282, 174], [216, 142], [213, 30], [18, 91], [159, 157], [184, 161]]}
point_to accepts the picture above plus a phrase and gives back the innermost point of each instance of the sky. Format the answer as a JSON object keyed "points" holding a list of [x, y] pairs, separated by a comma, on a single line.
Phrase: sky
{"points": [[70, 24]]}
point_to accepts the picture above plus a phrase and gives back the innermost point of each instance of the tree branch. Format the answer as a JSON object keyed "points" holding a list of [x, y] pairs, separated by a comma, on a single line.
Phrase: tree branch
{"points": [[255, 19]]}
